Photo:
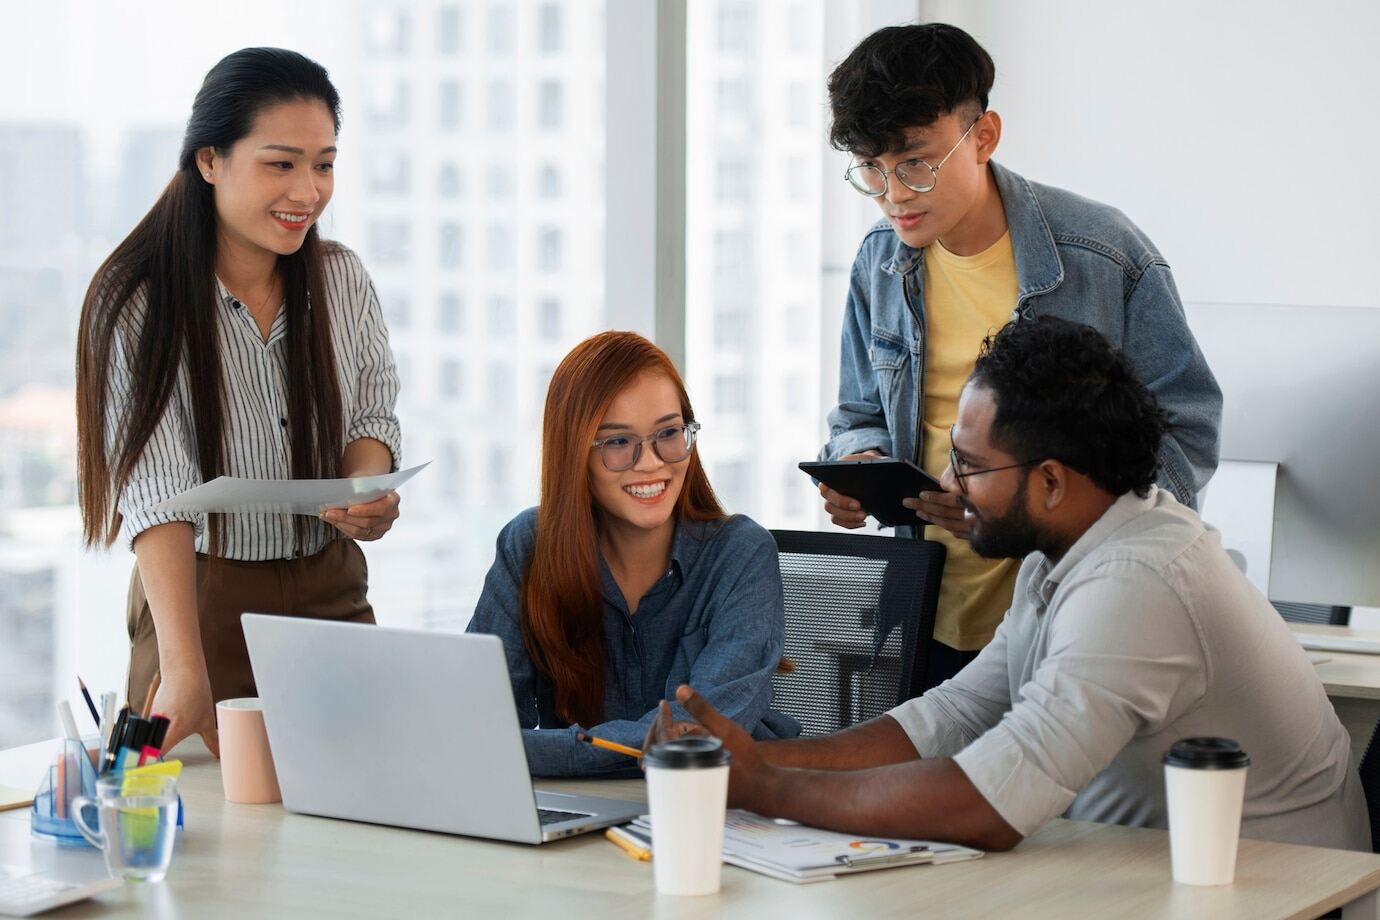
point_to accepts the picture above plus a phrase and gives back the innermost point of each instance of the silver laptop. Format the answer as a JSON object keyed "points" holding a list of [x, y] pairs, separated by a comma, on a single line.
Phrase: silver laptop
{"points": [[409, 728]]}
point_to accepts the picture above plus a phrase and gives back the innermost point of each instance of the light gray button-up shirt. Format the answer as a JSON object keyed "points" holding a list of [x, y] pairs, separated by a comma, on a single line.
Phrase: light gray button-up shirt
{"points": [[1143, 633]]}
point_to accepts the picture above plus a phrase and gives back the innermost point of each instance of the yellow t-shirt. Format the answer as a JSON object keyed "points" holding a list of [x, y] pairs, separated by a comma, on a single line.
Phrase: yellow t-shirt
{"points": [[966, 297]]}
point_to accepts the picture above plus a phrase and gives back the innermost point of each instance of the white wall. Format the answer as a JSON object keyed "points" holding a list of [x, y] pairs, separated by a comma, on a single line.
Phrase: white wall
{"points": [[1241, 136]]}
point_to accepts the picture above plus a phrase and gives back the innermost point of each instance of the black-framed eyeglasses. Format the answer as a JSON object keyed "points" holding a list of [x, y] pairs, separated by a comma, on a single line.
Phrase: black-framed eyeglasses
{"points": [[956, 462], [672, 444], [871, 180]]}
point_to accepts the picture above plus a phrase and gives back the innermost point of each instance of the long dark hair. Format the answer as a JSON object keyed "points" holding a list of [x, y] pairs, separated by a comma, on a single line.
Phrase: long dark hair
{"points": [[171, 256], [560, 606]]}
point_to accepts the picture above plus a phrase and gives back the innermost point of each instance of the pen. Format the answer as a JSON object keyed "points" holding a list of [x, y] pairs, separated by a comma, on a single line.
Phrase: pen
{"points": [[107, 718], [629, 846], [610, 745], [117, 734], [86, 695], [905, 854], [148, 700]]}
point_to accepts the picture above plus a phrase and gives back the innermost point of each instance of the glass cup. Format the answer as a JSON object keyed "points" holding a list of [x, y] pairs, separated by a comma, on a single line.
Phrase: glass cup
{"points": [[136, 827]]}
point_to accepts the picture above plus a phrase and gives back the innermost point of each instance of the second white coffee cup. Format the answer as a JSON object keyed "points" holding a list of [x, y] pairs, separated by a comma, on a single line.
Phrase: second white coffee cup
{"points": [[1205, 785], [687, 792]]}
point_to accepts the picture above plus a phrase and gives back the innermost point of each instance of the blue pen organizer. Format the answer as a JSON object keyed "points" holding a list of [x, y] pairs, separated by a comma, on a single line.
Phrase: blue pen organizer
{"points": [[72, 773]]}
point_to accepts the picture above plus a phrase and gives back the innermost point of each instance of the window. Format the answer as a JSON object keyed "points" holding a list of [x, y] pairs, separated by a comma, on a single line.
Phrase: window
{"points": [[549, 249], [798, 106], [449, 182], [388, 105], [386, 32], [502, 322], [550, 182], [500, 29], [733, 97], [397, 311], [448, 106], [451, 252], [498, 181], [733, 179], [736, 28], [730, 394], [449, 31], [450, 313], [500, 105], [452, 470], [550, 320], [500, 246], [550, 105], [500, 388], [451, 378], [549, 28], [389, 172], [753, 272], [389, 241]]}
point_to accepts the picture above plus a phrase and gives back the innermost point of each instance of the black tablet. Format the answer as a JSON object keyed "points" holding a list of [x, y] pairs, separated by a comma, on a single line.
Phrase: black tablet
{"points": [[878, 483]]}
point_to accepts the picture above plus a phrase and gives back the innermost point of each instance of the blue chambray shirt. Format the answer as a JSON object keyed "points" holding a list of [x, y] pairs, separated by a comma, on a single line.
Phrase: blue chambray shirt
{"points": [[715, 620]]}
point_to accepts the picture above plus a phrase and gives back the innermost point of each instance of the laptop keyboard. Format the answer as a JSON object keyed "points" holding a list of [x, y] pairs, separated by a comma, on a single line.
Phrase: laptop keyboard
{"points": [[551, 816]]}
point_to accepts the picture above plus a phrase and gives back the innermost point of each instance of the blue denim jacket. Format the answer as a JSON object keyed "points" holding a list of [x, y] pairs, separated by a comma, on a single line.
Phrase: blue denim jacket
{"points": [[1076, 259], [715, 620]]}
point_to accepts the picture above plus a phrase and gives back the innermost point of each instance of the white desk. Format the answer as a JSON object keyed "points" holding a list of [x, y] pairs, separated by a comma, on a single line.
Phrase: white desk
{"points": [[1352, 682], [260, 861]]}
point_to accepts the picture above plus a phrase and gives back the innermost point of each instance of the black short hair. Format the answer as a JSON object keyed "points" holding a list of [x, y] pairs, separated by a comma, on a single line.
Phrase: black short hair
{"points": [[903, 77], [1063, 392]]}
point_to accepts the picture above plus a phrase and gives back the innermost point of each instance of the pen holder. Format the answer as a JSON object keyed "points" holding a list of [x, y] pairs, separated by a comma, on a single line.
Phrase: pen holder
{"points": [[72, 773]]}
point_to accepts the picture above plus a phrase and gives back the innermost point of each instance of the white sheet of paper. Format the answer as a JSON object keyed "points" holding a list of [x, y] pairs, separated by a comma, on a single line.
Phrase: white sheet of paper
{"points": [[233, 495]]}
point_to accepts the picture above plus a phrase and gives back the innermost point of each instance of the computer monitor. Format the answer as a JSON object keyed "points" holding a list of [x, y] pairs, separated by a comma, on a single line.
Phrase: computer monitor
{"points": [[1301, 388]]}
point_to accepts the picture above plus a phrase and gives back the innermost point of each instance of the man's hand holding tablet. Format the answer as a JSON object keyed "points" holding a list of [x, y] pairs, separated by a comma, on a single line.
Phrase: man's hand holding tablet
{"points": [[869, 483]]}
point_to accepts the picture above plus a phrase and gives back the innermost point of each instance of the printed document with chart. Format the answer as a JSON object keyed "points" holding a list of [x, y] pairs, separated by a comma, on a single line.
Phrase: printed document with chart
{"points": [[797, 853]]}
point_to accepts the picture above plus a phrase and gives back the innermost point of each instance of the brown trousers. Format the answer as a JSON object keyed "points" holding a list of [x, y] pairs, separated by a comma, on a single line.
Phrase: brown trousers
{"points": [[330, 585]]}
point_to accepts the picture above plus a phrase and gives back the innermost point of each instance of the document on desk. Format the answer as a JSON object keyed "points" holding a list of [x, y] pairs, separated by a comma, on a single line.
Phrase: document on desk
{"points": [[234, 495], [796, 853]]}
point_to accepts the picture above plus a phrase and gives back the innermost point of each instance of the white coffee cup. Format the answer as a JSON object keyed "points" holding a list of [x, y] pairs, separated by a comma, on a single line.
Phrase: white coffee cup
{"points": [[687, 791], [1205, 785]]}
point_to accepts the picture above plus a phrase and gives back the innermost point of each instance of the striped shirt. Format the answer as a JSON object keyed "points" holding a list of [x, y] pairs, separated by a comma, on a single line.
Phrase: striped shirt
{"points": [[256, 412]]}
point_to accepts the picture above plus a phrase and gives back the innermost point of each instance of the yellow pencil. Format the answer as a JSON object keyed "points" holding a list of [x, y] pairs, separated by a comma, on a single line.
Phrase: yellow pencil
{"points": [[611, 746], [641, 854]]}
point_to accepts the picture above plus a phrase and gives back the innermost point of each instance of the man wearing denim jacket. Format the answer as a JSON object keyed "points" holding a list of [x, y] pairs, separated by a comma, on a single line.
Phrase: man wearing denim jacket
{"points": [[964, 246]]}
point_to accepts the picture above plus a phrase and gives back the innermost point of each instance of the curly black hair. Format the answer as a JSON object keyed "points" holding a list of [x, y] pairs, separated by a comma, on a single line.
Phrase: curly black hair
{"points": [[904, 77], [1063, 392]]}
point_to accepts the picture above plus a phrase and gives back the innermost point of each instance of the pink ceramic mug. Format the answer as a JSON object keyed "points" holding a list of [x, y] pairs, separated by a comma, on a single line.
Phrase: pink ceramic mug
{"points": [[246, 763]]}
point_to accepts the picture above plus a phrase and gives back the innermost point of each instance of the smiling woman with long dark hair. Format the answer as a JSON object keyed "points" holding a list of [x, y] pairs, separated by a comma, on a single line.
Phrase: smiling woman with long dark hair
{"points": [[223, 336], [629, 579]]}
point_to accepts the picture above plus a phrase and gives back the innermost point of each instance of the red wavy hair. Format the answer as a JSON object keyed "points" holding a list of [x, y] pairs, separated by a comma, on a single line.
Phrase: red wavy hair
{"points": [[561, 605]]}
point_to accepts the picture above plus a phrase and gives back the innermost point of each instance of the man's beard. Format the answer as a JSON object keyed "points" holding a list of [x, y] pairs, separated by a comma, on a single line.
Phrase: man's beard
{"points": [[1011, 536]]}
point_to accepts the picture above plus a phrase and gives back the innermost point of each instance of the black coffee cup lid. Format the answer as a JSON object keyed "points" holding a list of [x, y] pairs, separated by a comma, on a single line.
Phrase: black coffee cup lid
{"points": [[1207, 754], [690, 753]]}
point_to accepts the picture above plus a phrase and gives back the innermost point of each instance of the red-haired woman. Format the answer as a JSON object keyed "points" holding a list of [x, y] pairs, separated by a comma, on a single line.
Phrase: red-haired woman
{"points": [[629, 579]]}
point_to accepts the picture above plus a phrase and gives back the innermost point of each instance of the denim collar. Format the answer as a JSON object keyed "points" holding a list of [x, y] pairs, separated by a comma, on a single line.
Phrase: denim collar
{"points": [[1045, 579], [1038, 266]]}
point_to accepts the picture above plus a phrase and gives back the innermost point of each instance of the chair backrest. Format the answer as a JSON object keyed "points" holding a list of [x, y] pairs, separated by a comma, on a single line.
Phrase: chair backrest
{"points": [[1370, 782], [859, 617], [1314, 613]]}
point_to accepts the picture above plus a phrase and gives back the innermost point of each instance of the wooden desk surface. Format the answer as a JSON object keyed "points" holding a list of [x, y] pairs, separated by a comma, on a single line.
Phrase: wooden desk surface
{"points": [[261, 861]]}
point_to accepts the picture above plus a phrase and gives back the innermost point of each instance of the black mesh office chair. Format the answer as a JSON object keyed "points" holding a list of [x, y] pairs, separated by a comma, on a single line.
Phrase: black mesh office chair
{"points": [[1314, 613], [1370, 782], [859, 617]]}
